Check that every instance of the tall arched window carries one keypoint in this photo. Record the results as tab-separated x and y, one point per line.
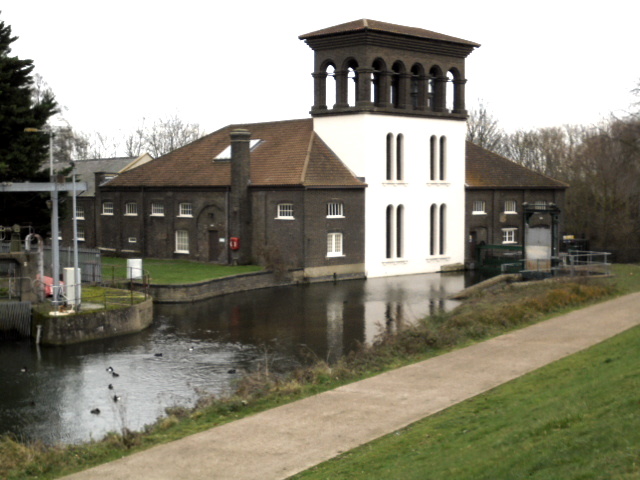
330	86
352	84
390	151
433	222
449	92
437	83
389	236
443	228
417	87
433	152
400	231
399	157
397	85
443	158
379	84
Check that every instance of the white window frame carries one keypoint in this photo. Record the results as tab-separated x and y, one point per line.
157	209
185	209
335	242
79	212
479	207
509	236
80	233
107	208
540	204
285	211
512	204
335	210
130	209
182	241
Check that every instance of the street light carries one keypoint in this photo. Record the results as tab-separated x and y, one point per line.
55	246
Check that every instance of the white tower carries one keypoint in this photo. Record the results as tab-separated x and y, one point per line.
398	120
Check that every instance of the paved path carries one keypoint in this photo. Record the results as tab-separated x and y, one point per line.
286	440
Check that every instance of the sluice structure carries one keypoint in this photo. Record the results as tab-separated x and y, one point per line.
15	319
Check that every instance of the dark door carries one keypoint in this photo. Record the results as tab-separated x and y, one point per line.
214	246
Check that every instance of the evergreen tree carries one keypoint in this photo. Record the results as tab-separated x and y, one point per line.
22	154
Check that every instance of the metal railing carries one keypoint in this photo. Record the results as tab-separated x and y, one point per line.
577	262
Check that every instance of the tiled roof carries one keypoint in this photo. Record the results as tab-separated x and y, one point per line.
373	25
289	154
485	169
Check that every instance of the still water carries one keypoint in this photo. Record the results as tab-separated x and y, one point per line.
48	393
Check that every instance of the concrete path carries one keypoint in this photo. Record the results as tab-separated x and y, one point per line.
286	440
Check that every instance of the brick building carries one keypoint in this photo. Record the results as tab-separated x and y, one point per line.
372	184
275	186
498	190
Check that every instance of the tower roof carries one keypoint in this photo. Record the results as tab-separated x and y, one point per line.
373	31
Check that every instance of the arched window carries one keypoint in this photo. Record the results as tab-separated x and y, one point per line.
443	228
351	82
399	157
397	87
433	222
417	88
443	158
379	84
449	92
458	103
389	225
330	86
390	152
400	231
437	89
433	152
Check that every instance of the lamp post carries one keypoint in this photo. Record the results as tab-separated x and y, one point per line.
76	271
55	246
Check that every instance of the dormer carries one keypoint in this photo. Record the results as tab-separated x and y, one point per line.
378	67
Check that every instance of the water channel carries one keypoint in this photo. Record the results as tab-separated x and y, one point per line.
48	393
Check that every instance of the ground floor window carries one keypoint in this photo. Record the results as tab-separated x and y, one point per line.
509	235
182	241
334	245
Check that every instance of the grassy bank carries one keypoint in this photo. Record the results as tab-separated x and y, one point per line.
173	272
574	419
495	311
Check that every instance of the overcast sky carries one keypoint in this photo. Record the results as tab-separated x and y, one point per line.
111	64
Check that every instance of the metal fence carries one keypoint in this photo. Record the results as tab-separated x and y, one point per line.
572	263
577	262
89	261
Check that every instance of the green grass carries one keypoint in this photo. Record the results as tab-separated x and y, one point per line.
174	272
575	419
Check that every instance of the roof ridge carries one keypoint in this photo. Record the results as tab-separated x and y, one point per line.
307	158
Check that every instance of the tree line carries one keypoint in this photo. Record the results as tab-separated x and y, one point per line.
601	164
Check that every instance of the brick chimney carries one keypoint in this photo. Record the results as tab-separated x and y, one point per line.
239	199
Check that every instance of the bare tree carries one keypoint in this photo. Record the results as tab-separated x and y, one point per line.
170	133
483	130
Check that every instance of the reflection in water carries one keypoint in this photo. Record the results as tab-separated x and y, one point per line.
190	350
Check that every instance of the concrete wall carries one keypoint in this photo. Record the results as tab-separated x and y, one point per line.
251	281
86	326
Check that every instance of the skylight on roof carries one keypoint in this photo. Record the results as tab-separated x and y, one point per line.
226	153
